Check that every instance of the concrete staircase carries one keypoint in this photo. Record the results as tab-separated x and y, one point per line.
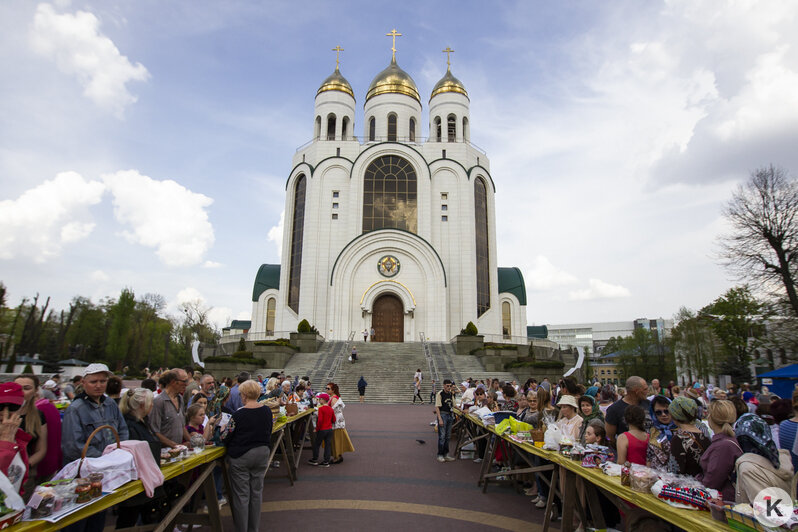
387	367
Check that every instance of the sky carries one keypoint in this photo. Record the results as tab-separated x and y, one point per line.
147	144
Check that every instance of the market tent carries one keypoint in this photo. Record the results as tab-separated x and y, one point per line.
784	380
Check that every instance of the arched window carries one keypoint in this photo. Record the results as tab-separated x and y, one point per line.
372	128
271	306
345	128
437	128
466	133
389	195
507	327
392	128
451	128
483	250
412	130
297	228
317	129
331	127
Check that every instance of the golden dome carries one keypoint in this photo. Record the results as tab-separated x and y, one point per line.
393	80
448	83
336	82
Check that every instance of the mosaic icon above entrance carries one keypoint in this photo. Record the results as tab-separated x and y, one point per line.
388	266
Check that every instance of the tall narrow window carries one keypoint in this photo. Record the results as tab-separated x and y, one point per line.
412	132
466	135
391	128
317	129
507	328
331	127
372	128
437	128
483	250
297	228
451	128
270	312
389	195
345	128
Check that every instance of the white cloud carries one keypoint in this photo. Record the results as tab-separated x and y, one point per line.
163	215
42	219
599	289
543	275
211	264
79	49
99	276
244	315
275	234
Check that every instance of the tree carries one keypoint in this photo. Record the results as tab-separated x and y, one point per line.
121	314
696	347
737	320
762	247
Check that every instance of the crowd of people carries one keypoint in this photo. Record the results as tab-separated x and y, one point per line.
166	410
734	440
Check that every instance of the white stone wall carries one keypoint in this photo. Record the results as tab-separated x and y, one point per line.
437	280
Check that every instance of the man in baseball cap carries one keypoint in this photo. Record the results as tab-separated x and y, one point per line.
89	410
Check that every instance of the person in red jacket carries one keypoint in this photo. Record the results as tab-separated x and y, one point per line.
324	430
13	440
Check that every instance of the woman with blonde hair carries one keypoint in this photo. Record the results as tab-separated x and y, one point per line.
247	437
717	462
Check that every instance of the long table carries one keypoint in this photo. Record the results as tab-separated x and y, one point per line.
591	478
203	464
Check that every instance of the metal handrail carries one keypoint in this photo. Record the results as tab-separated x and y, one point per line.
431	364
406	140
336	365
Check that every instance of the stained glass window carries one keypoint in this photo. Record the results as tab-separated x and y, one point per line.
389	195
483	250
297	227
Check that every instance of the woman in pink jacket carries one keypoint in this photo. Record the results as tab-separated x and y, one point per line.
13	440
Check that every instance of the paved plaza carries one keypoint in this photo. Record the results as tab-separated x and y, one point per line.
392	482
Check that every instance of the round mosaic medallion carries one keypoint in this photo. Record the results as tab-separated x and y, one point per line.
388	266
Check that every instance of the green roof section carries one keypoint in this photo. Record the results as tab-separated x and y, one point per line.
241	324
511	280
268	277
537	331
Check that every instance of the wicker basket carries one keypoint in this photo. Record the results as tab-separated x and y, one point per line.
88	442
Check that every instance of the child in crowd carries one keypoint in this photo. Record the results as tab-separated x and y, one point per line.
595	432
633	443
196	417
324	430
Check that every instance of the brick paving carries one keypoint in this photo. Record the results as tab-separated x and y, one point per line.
392	482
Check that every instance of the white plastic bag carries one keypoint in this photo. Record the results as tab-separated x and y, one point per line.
552	438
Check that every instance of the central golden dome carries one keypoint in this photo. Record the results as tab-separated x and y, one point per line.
336	82
393	80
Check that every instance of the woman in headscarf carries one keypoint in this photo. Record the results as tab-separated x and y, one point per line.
659	444
762	465
588	410
689	441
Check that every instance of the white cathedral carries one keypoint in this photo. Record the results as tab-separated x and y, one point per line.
390	230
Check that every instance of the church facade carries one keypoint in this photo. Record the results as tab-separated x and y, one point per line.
386	229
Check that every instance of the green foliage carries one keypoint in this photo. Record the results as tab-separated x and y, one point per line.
283	342
11	363
28	369
470	329
304	327
121	328
243	354
242	344
644	354
556	364
500	347
232	359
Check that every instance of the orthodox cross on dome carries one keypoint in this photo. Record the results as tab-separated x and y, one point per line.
337	51
447	51
393	34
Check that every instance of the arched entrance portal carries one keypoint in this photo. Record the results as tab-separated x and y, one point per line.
388	319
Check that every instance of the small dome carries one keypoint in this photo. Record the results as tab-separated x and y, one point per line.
393	80
448	83
336	82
